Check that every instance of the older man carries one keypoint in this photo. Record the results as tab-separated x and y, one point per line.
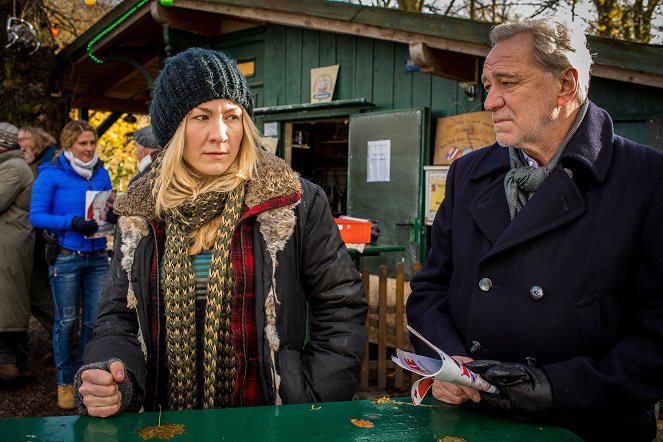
546	263
16	244
147	149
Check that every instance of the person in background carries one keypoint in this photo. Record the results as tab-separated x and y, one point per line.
16	245
230	285
546	261
58	205
147	149
38	148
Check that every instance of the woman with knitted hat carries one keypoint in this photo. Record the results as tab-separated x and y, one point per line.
230	285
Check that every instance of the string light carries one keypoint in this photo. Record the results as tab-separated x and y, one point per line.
55	30
110	28
90	2
166	3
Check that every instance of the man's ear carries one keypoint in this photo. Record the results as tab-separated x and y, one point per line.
568	86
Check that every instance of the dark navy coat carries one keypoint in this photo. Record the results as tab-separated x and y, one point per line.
574	284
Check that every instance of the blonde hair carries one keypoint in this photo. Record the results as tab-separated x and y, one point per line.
40	139
73	130
177	182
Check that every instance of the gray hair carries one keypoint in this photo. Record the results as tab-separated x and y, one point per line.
557	46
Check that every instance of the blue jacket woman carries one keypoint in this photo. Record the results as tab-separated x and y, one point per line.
58	205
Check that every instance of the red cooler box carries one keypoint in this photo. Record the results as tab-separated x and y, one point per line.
354	231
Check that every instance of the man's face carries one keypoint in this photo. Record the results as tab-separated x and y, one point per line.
522	97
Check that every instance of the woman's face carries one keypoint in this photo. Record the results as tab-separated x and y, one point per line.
84	146
213	136
27	145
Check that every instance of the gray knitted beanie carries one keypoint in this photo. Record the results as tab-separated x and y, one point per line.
8	136
190	78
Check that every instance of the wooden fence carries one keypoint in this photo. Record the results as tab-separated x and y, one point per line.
386	325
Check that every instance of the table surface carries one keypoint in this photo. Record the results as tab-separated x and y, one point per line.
329	421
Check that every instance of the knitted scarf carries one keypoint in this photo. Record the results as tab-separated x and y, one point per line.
82	168
179	286
522	181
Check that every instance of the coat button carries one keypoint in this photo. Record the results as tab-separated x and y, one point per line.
475	347
485	284
536	292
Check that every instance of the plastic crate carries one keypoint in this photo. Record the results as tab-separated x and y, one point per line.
354	232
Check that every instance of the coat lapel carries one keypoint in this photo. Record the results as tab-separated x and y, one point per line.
556	203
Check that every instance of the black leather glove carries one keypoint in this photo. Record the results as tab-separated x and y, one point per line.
83	226
524	391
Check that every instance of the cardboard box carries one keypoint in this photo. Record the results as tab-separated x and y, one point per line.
354	232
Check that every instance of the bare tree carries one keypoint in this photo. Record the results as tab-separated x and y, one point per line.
630	20
29	83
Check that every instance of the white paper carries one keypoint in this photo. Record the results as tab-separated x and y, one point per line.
97	206
443	369
270	129
378	161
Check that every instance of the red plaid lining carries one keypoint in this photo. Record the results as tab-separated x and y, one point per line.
247	388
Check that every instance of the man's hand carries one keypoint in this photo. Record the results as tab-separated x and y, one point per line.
100	392
524	391
454	394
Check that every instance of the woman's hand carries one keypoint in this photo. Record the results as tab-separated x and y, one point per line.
100	391
454	394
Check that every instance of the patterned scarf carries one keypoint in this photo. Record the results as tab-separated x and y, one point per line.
522	181
179	294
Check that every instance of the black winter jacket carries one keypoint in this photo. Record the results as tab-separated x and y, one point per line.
297	239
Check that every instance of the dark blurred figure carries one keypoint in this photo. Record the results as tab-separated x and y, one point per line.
39	148
16	245
147	149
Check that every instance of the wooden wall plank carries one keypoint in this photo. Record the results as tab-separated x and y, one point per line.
383	75
310	59
402	79
345	56
293	67
274	89
364	68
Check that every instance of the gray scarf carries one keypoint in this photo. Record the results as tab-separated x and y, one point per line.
81	167
522	181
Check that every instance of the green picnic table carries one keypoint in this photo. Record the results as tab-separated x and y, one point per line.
395	420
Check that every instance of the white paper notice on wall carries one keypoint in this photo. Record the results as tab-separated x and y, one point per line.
378	161
270	129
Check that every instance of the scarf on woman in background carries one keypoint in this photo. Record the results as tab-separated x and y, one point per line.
82	168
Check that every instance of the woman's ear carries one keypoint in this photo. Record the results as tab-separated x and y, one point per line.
568	86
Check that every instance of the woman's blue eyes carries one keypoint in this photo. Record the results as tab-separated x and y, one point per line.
206	117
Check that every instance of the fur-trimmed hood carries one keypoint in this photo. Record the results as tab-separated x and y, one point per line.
274	179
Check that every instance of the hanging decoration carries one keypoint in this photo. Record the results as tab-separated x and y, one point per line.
55	30
110	28
22	34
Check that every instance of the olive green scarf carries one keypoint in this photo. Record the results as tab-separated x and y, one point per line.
219	362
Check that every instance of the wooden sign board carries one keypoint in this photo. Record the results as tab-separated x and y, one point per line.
461	134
